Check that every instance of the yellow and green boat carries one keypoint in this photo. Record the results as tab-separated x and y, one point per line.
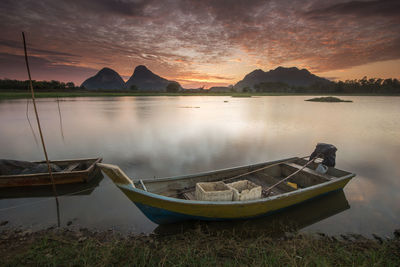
284	183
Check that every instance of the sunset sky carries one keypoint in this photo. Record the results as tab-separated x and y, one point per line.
200	42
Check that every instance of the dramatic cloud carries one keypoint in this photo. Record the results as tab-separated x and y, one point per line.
198	42
12	64
384	8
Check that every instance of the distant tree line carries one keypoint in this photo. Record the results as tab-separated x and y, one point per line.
362	86
6	84
173	87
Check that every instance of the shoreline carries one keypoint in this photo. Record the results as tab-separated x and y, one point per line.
8	95
194	247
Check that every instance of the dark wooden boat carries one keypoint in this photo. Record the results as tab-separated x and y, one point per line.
71	171
41	191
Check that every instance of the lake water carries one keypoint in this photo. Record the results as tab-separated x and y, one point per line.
150	137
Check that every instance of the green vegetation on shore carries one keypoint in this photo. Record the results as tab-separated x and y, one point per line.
241	95
21	95
192	248
14	89
327	99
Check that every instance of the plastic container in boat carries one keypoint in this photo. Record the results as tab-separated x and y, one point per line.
245	190
213	191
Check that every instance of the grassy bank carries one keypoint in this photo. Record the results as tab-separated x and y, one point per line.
21	95
192	248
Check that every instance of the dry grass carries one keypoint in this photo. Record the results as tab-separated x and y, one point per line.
195	247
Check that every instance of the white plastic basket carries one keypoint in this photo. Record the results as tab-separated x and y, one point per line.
213	191
245	190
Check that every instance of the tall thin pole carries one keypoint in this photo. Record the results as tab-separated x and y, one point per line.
29	121
59	116
40	131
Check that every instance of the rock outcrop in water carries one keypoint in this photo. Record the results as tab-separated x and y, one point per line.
290	76
106	78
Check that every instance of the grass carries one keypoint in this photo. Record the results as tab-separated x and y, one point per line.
327	99
195	248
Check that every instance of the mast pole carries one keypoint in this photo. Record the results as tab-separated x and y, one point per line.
40	131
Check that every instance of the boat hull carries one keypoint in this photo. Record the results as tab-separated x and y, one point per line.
163	210
43	179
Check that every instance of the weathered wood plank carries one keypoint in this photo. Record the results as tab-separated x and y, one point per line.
266	181
71	167
310	171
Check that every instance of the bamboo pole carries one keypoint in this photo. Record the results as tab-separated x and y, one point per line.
61	123
40	131
268	190
244	174
29	121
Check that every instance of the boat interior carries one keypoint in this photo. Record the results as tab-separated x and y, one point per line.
14	167
263	174
73	165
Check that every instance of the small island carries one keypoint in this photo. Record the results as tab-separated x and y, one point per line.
241	95
327	99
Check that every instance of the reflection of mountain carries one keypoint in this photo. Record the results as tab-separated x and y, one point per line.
47	191
291	219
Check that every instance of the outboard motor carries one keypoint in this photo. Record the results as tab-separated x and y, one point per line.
328	153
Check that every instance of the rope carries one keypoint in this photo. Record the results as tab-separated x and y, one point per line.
61	124
30	125
268	190
244	174
260	169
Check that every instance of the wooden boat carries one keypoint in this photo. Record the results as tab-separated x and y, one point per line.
172	199
72	171
293	218
74	189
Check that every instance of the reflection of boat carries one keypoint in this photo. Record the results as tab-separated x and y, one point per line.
47	190
69	171
291	219
169	200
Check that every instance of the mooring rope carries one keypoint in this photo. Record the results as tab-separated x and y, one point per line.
29	121
61	124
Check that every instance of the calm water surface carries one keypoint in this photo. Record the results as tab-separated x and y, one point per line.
150	137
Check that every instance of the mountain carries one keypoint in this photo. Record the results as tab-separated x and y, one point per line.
291	76
106	78
145	80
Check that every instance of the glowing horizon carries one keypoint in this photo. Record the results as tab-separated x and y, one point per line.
206	43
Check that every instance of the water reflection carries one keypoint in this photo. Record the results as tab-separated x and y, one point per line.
291	219
154	137
77	189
